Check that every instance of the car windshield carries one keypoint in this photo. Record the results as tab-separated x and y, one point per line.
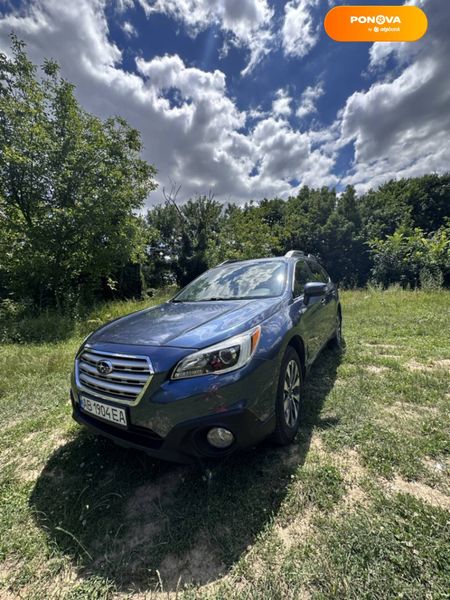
236	281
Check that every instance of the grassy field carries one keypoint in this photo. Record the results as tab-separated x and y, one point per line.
357	508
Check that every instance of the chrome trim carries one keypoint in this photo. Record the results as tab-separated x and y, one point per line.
118	364
103	352
131	390
119	375
116	382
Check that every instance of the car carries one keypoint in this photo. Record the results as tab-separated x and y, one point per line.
218	367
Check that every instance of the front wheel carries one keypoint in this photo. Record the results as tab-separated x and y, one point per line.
289	397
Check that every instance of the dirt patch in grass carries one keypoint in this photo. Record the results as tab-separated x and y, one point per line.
412	410
27	475
160	491
413	365
11	424
7	568
442	364
381	347
145	514
410	416
28	439
435	365
62	583
374	370
297	530
28	464
6	594
350	465
26	467
353	474
199	565
378	345
318	446
420	491
437	466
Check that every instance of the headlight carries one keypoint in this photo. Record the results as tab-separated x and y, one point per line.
227	356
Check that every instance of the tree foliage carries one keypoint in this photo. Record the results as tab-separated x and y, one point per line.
396	234
179	238
244	233
412	257
69	187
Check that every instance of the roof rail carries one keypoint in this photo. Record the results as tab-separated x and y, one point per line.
298	253
230	260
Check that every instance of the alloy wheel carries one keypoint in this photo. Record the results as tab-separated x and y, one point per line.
291	393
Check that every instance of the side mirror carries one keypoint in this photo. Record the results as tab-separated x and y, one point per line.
315	288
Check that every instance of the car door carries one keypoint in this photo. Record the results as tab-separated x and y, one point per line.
328	301
306	317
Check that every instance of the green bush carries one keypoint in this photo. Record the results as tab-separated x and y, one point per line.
411	258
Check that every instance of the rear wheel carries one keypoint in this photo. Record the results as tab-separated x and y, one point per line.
289	398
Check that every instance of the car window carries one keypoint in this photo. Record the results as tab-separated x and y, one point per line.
237	280
301	277
318	273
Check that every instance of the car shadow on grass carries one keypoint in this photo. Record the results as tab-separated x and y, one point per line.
135	521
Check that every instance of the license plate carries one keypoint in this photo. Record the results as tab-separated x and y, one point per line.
113	414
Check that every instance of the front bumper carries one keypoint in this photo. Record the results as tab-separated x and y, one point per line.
186	442
172	417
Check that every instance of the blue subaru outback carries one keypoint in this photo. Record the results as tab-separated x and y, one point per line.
218	367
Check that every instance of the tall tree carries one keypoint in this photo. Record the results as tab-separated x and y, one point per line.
70	185
244	234
180	236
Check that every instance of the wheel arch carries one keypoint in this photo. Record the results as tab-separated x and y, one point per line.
298	344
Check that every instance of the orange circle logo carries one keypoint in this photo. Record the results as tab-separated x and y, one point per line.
376	23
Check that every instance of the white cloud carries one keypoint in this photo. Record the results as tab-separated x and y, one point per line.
300	32
123	5
401	127
246	23
308	100
128	29
282	105
191	128
285	154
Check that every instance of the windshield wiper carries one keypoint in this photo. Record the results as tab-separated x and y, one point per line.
214	298
229	298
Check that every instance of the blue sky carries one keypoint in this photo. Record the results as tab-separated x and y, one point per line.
250	98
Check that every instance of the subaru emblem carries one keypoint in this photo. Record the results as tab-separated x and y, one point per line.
104	367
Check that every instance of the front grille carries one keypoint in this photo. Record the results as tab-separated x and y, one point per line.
125	382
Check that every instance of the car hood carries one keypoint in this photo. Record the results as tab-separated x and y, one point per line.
186	324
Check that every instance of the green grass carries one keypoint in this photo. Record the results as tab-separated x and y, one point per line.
357	508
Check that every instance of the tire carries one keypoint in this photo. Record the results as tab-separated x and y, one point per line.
337	341
289	398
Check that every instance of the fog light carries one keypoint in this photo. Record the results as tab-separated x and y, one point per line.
220	437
